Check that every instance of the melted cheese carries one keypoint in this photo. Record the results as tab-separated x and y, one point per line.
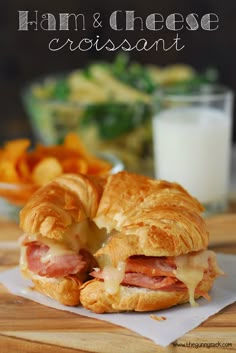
55	249
113	277
76	236
23	258
84	235
190	270
79	235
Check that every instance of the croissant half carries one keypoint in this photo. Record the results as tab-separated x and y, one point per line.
143	242
60	237
157	254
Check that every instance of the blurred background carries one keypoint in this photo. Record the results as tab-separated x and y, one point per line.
24	56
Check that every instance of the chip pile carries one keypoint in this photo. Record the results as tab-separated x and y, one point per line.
22	171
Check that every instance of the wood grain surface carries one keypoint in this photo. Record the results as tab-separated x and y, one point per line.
28	327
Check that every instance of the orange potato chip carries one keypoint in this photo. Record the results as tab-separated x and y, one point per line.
23	169
46	170
15	148
8	172
98	166
73	142
74	165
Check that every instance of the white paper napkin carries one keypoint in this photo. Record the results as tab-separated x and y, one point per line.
179	319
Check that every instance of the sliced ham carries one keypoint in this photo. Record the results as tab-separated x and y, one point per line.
155	273
58	266
151	266
144	281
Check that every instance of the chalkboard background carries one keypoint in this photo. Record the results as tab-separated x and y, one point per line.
25	55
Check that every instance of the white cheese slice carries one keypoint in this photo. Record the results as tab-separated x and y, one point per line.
113	277
190	270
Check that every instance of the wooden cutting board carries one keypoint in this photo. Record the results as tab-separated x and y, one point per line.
28	327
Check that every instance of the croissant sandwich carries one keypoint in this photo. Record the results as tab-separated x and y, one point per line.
156	255
125	243
60	237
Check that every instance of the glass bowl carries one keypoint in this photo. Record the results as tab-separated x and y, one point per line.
122	128
8	211
13	197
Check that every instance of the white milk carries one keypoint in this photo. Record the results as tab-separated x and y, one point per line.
192	147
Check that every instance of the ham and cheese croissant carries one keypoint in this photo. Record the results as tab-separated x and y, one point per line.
143	242
156	255
60	237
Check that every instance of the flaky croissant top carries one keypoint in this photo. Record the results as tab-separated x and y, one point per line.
66	200
144	216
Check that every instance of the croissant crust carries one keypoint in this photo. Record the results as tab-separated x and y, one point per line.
143	216
65	290
151	217
93	296
54	207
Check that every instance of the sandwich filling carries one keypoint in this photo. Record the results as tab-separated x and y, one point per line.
47	263
180	273
70	256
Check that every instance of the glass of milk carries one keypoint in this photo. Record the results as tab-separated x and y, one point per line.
192	142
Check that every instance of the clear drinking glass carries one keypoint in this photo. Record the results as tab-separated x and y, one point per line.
192	141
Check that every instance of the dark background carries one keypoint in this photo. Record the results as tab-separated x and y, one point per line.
25	55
